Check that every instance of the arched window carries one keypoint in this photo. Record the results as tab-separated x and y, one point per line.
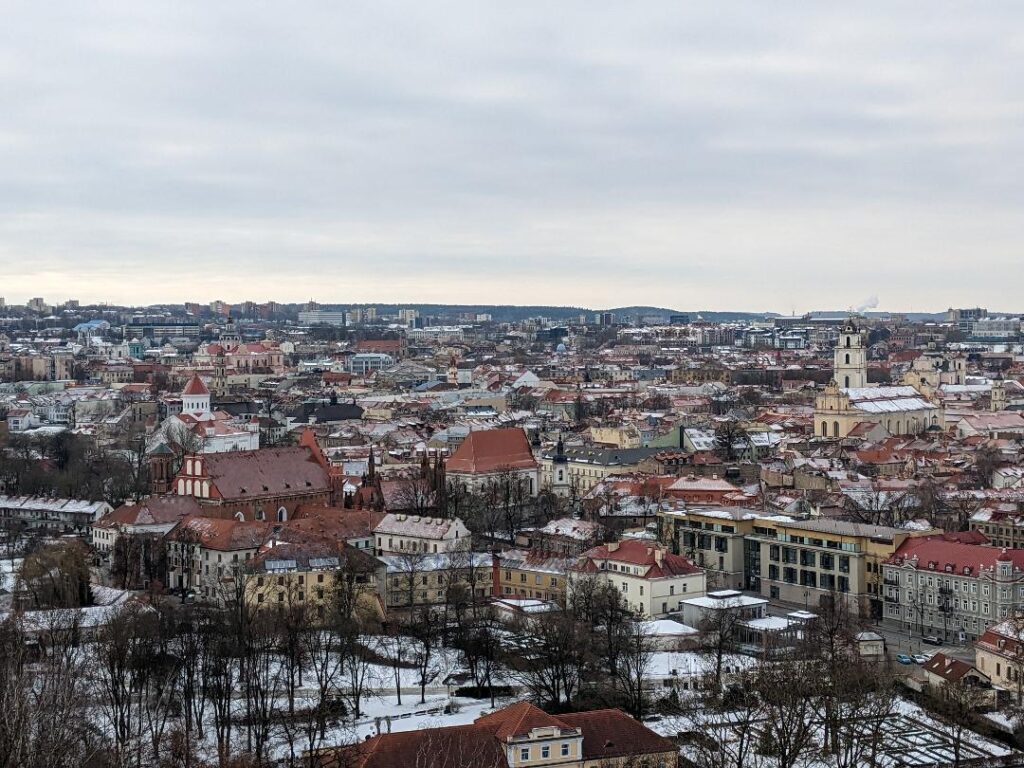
847	341
282	515
847	358
240	517
898	430
824	429
835	429
846	381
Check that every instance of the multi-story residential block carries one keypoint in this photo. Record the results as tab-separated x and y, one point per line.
415	579
316	576
803	561
399	534
207	555
587	467
939	585
531	574
713	538
651	579
49	516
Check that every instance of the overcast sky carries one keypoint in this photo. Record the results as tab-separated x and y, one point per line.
763	156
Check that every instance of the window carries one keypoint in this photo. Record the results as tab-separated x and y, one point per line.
524	753
565	750
545	752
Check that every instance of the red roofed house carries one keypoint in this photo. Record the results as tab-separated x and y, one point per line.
939	585
208	554
519	736
942	670
651	579
142	526
999	653
701	490
486	456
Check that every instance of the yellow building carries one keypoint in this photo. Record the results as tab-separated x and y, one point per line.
316	580
538	575
901	410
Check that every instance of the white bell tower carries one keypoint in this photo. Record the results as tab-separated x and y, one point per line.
850	366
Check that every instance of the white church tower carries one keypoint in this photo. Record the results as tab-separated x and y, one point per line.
850	366
195	398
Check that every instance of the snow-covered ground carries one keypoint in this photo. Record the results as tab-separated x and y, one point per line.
911	738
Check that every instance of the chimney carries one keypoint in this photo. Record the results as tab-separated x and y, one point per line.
659	555
613	546
495	575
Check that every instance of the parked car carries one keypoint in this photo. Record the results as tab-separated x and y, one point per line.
932	640
904	659
919	658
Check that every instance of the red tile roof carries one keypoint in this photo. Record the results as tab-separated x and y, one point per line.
948	668
609	733
281	472
518	720
491	450
222	535
946	550
152	511
638	552
195	386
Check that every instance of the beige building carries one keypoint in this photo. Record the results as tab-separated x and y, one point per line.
652	580
802	561
519	736
901	410
316	577
713	538
586	467
400	533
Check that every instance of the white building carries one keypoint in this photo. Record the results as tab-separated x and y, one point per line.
398	534
215	431
653	582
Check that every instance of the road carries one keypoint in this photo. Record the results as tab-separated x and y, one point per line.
897	641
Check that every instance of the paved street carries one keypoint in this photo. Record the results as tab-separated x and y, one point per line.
897	641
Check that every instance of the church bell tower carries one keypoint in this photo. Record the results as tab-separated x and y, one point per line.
850	367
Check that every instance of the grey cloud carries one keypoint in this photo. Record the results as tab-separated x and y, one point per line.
711	155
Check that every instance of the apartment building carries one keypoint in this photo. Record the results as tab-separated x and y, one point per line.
712	537
417	579
400	533
803	561
940	585
651	579
531	574
315	576
207	555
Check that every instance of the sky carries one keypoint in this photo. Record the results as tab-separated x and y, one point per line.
694	155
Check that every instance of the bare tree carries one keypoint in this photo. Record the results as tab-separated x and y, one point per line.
787	725
719	633
634	664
